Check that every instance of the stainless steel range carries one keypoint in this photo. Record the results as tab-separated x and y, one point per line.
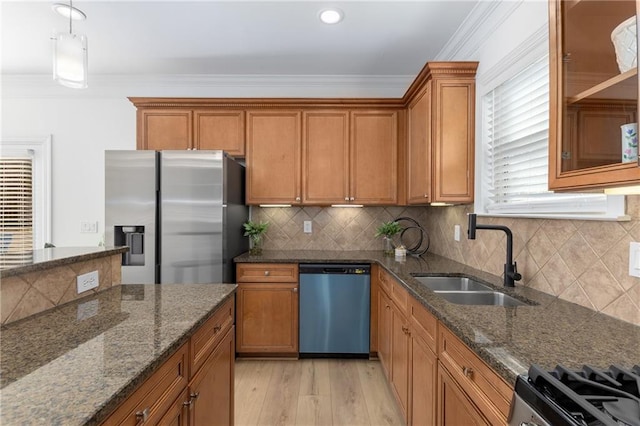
586	397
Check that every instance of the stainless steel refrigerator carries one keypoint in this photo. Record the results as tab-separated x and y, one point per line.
180	213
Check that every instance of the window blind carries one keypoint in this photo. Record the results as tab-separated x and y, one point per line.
516	126
16	210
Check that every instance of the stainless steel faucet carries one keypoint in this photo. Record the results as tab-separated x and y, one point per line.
511	274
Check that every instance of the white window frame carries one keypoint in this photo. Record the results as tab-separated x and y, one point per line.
567	206
41	148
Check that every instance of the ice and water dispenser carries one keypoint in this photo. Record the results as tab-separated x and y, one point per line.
132	236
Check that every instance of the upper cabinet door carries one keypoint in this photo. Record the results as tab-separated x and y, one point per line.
219	129
165	129
453	140
374	157
273	157
419	148
593	92
325	157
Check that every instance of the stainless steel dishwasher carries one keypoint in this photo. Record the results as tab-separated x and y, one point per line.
334	310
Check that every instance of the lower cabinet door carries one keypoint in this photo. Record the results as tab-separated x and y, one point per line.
424	367
455	408
400	359
177	413
384	332
211	389
267	318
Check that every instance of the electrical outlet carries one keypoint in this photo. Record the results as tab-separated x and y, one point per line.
456	232
87	281
307	226
634	259
88	227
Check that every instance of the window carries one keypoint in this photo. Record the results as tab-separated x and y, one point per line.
516	140
24	199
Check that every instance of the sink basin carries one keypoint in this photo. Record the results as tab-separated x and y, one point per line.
490	298
452	284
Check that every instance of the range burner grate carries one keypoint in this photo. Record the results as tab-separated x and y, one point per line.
590	396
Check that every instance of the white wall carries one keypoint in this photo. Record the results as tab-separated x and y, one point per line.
81	129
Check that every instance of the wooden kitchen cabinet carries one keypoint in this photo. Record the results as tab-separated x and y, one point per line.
178	129
273	157
590	97
211	389
160	129
267	309
393	339
325	157
440	134
455	408
384	332
487	391
424	365
220	129
373	175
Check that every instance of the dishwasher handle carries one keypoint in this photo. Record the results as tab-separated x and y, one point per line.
337	269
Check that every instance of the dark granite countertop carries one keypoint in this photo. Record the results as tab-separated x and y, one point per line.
74	364
57	256
509	339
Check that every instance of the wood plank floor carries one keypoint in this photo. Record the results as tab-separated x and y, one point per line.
311	392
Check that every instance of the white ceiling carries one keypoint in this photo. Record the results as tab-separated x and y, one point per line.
376	38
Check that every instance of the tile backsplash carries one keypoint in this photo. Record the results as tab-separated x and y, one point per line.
584	262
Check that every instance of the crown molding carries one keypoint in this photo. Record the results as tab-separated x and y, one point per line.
192	85
478	26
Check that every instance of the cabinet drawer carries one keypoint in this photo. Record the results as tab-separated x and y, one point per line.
490	393
157	394
394	290
384	281
206	338
423	324
267	273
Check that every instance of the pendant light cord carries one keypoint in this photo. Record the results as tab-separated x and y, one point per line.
70	14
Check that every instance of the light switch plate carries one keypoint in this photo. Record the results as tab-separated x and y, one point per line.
634	259
87	281
456	232
307	227
88	227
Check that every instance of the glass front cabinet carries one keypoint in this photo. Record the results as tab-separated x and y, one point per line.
593	130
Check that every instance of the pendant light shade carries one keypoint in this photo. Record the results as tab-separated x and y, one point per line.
70	60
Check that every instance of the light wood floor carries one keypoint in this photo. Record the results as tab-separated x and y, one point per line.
313	392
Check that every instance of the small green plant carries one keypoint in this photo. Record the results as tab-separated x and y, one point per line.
388	229
255	231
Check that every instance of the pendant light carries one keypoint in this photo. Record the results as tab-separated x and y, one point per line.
70	61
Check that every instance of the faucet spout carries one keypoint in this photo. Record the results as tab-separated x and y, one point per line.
511	274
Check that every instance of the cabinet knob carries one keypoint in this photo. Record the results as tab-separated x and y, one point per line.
295	289
297	198
266	273
217	328
352	199
468	372
142	416
346	198
426	196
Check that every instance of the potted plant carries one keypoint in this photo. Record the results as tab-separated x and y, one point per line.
255	231
387	230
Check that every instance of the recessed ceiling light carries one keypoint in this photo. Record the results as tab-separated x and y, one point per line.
69	11
331	16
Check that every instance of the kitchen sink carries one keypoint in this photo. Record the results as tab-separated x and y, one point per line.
452	284
490	298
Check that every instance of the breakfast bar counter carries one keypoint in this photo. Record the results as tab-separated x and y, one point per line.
74	364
